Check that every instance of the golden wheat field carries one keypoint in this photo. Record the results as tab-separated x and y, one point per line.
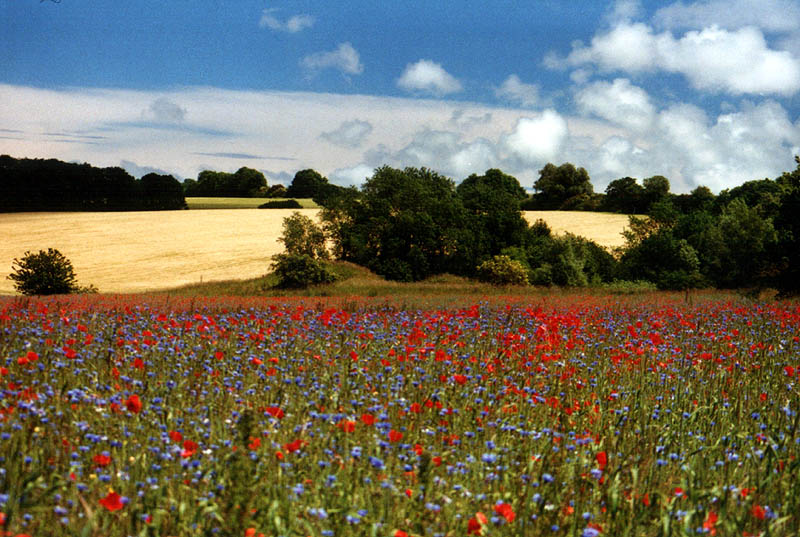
131	252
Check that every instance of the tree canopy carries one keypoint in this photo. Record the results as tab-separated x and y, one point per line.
561	186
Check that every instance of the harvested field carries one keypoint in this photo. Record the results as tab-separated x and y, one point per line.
129	252
603	228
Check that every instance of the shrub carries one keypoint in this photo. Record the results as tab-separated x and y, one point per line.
302	236
281	204
44	273
502	270
296	271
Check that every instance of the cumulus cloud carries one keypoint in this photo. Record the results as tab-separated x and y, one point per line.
619	102
348	134
768	15
345	58
429	77
163	109
292	25
715	59
624	11
749	140
515	90
536	140
354	175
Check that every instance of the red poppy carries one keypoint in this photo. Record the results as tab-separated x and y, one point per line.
347	426
759	512
112	501
506	511
400	533
255	443
602	459
175	436
395	436
291	447
367	419
710	522
475	524
133	404
275	411
460	379
189	449
101	459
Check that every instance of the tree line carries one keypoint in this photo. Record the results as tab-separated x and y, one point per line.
53	185
412	223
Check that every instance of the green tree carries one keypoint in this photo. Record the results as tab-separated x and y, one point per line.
43	273
662	258
302	236
403	224
625	196
161	192
654	190
493	203
749	239
249	183
306	184
558	184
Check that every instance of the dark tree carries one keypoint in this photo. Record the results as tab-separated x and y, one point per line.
405	225
655	189
306	184
161	192
52	185
787	223
493	203
557	185
625	196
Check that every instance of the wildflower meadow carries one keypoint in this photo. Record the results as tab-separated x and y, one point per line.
566	416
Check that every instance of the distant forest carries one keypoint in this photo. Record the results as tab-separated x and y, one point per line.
53	185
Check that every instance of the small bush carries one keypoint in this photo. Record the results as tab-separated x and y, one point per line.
296	271
502	270
45	273
281	204
627	287
302	236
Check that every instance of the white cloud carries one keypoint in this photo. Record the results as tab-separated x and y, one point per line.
624	11
738	61
281	132
348	134
515	90
354	175
292	25
627	47
345	58
429	77
538	139
619	102
768	15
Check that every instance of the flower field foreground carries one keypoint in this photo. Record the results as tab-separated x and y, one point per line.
581	417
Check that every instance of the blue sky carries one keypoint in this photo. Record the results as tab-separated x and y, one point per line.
702	92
